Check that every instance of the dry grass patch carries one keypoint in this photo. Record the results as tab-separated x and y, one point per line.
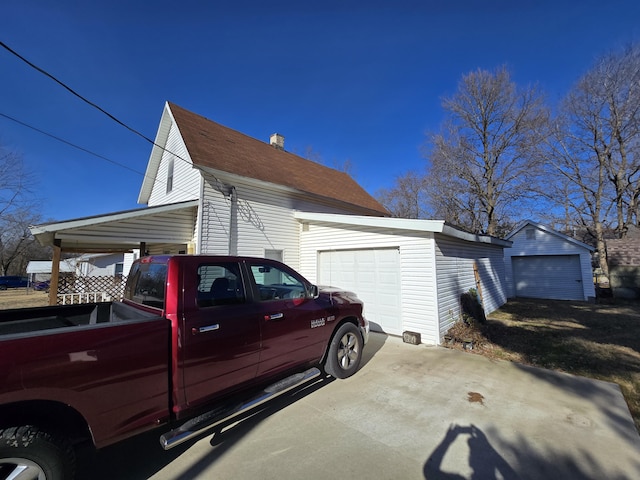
22	298
596	341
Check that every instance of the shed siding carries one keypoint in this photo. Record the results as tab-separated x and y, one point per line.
455	275
186	179
546	243
419	303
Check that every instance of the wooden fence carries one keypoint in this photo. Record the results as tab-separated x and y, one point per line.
73	289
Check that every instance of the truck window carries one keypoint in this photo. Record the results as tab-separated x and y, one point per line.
219	284
146	284
275	284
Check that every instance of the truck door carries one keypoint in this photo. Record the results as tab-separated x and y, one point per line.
221	338
294	326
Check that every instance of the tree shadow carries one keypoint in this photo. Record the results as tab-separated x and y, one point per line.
596	341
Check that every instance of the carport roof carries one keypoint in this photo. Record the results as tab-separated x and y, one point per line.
416	225
122	231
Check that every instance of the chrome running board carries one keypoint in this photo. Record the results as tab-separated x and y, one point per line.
208	420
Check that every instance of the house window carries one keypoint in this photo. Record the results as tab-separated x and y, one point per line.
531	233
170	176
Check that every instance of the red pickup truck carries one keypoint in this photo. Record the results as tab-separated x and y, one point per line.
192	344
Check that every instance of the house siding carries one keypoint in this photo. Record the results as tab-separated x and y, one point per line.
186	178
418	290
264	219
545	244
455	275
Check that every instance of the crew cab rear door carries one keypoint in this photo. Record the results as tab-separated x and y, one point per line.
295	326
221	334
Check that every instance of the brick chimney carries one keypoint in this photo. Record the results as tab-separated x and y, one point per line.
277	141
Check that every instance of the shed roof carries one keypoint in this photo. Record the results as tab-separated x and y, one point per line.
44	266
400	224
219	148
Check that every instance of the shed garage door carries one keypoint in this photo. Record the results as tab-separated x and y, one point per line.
556	277
374	275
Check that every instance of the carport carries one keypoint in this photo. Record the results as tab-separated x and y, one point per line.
154	230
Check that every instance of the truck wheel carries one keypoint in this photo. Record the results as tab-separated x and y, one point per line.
27	452
345	352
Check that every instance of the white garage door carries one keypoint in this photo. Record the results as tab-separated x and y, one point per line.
556	277
374	275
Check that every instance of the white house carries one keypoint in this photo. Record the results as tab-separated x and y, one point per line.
40	270
105	264
543	263
212	190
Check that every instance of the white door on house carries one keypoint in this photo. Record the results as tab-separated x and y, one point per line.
373	275
556	277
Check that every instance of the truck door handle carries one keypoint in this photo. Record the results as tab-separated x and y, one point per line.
205	329
274	316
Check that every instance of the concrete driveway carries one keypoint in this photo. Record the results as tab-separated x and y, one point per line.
411	412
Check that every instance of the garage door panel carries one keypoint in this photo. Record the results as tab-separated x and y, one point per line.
555	277
374	275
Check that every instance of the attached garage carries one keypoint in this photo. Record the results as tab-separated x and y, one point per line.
543	263
374	274
410	274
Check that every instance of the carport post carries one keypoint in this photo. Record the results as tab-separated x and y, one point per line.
55	272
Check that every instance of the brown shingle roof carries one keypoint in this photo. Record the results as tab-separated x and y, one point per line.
215	146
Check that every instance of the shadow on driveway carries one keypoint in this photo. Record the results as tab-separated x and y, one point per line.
142	456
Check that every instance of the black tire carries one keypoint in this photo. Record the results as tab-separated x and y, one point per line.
38	454
3	287
345	352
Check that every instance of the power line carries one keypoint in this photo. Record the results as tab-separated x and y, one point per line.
94	105
69	143
78	147
73	92
112	117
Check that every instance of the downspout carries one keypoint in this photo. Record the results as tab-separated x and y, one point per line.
200	217
233	222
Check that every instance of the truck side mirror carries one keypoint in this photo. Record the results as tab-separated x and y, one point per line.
313	291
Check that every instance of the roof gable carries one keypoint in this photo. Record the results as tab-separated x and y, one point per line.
548	230
214	146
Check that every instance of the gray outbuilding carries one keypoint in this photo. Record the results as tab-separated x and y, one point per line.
544	263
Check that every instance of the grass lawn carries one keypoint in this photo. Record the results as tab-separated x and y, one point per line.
600	341
22	298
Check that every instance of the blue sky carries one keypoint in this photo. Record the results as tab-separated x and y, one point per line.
353	80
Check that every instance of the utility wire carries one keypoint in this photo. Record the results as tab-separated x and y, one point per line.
69	143
73	92
102	157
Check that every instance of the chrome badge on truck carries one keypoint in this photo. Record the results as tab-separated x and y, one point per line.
320	322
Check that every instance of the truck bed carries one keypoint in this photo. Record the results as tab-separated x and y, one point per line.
44	319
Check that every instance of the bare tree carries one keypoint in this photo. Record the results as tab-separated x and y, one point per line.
407	198
484	162
596	147
17	211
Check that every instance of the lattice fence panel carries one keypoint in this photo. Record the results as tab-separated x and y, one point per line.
74	289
